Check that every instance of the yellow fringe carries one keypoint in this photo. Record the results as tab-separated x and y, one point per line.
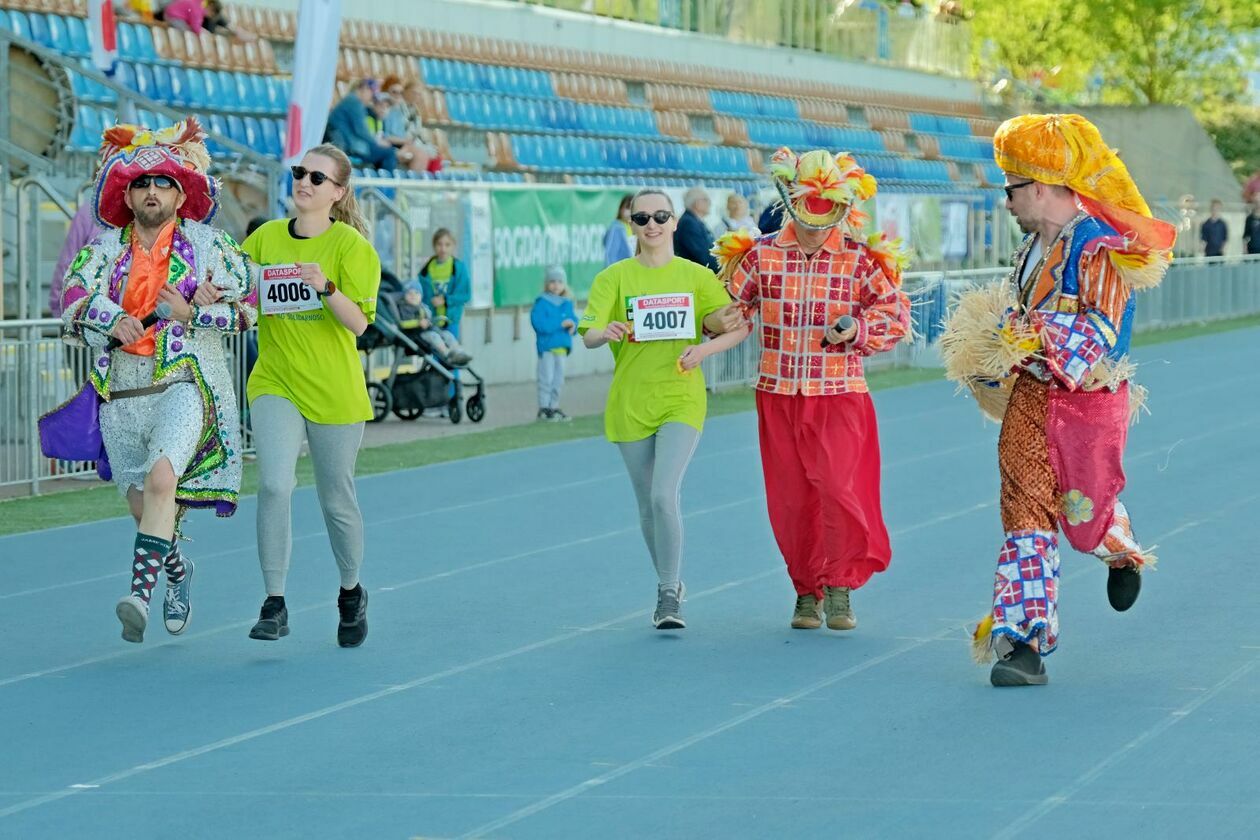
978	342
1141	271
982	641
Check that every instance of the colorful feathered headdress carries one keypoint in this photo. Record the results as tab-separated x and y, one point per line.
178	151
820	190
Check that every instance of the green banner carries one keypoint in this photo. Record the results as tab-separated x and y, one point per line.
537	228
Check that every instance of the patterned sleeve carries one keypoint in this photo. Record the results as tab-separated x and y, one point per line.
1074	342
744	283
236	276
883	317
88	315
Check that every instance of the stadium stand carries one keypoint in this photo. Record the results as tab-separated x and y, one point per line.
509	111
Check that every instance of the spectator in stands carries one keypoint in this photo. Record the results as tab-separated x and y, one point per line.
554	321
348	129
692	239
1251	228
737	217
196	15
1214	233
402	128
445	283
619	238
83	229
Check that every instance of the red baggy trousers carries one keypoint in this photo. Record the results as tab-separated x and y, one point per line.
820	459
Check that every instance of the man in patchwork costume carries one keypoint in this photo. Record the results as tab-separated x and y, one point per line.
1055	372
168	415
827	298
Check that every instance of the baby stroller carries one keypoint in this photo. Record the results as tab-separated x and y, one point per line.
434	385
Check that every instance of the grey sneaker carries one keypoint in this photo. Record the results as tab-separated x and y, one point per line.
133	612
807	616
559	416
177	608
668	615
836	605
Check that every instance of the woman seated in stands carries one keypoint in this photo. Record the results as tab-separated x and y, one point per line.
404	129
196	15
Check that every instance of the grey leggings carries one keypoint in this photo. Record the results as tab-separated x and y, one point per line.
278	431
656	466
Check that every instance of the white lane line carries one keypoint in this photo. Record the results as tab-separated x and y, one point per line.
320	713
678	746
288	723
1061	796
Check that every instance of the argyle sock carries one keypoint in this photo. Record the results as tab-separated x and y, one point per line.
149	553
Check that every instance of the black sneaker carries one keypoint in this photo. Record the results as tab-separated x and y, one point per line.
544	414
273	620
1021	666
558	416
353	608
1123	586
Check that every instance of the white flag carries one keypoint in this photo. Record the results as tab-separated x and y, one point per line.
314	73
103	35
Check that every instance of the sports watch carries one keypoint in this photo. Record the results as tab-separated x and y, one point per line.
329	288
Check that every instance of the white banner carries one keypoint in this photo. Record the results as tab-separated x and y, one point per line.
103	35
314	72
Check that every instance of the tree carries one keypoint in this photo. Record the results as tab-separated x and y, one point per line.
1179	52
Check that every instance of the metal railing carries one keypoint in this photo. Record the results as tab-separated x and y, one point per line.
938	43
1194	291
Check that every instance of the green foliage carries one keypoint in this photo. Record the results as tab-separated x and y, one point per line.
1236	130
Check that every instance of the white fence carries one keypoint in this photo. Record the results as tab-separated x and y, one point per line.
38	372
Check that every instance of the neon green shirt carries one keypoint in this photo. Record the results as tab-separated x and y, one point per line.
309	358
648	390
440	272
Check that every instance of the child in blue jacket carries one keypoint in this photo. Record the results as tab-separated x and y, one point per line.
554	323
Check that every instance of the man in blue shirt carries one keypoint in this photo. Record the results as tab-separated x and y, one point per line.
1214	233
348	130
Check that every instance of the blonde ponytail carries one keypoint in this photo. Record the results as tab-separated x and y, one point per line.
346	209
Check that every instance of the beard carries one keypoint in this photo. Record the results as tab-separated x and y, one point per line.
153	217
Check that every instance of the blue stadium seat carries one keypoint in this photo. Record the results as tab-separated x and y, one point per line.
216	124
19	24
86	134
230	90
163	88
540	84
77	36
145	85
236	130
259	97
956	126
254	134
194	87
272	144
144	44
39	29
126	33
210	84
277	101
925	123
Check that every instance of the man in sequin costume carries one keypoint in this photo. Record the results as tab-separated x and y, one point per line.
168	418
828	296
1091	242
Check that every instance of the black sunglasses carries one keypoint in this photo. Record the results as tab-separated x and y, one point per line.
1009	189
162	182
660	217
317	177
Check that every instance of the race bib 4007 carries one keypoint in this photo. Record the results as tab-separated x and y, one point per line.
281	290
662	317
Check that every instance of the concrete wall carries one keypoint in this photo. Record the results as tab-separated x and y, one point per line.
555	28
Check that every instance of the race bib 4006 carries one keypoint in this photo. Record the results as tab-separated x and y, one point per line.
662	317
281	290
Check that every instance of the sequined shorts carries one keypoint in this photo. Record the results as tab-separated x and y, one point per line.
140	431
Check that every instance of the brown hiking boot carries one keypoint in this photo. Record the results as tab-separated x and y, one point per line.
836	605
807	615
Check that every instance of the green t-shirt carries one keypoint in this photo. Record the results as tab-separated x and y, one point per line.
648	390
309	358
439	275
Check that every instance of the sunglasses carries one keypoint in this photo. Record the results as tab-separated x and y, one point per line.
317	177
1009	189
660	217
162	182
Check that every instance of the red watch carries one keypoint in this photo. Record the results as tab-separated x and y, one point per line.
329	288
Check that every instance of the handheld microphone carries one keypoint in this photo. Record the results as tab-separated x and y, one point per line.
161	312
842	324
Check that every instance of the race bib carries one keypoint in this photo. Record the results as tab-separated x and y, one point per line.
662	317
281	290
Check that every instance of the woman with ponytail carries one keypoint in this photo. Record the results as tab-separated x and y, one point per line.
308	380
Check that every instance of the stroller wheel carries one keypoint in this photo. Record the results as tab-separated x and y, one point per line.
476	408
453	410
408	413
382	401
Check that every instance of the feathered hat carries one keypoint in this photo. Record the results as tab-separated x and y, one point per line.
819	189
179	151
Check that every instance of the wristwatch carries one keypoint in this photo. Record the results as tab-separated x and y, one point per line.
329	288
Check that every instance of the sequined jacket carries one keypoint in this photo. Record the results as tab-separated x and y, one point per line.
91	302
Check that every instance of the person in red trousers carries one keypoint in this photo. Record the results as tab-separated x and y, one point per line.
828	296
